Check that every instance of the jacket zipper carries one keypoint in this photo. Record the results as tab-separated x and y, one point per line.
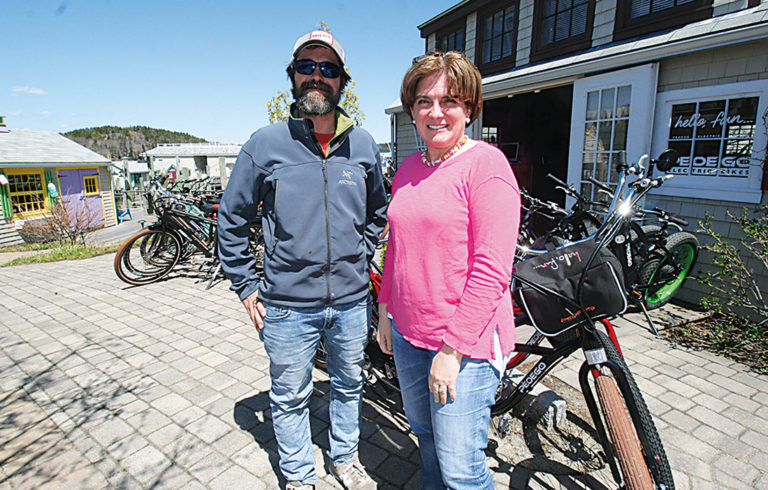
274	242
327	235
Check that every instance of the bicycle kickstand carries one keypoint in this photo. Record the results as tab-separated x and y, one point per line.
648	317
213	276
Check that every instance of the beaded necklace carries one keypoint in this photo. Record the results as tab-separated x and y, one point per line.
446	156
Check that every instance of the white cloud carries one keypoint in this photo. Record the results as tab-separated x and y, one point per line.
16	113
27	90
45	114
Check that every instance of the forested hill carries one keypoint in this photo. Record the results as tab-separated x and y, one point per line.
116	143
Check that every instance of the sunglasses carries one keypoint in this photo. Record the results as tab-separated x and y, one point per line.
327	69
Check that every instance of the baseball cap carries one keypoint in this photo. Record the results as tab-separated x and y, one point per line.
319	38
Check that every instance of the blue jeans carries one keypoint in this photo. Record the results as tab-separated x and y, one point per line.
452	437
291	336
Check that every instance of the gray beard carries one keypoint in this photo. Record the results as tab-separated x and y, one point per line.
316	104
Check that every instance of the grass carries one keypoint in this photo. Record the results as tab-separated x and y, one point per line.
29	247
58	253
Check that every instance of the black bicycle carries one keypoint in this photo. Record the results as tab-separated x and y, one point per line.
656	253
186	226
153	252
565	313
378	365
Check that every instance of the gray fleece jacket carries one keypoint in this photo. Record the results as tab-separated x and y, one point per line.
321	214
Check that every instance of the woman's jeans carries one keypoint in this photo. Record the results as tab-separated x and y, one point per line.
291	336
452	437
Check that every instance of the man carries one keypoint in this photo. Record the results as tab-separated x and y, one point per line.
318	179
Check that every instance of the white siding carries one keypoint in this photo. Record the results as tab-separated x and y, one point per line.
470	37
605	17
407	138
730	64
524	33
722	7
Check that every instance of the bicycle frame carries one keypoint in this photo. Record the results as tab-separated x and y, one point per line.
584	335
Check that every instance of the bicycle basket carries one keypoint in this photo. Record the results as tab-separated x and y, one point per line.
548	283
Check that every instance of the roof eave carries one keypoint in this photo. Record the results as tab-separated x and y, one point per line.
566	70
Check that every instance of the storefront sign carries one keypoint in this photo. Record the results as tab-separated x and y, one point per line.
714	137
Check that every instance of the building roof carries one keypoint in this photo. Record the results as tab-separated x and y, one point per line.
20	147
194	149
739	27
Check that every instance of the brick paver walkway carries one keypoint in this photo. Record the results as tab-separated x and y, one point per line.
109	386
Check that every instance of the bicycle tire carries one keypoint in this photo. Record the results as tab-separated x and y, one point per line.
147	256
664	274
621	432
652	448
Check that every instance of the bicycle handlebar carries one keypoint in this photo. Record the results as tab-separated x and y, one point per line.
620	206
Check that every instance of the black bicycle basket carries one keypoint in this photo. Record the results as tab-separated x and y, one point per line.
548	286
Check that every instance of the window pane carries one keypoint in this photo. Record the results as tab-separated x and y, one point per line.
496	48
601	167
622	100
639	8
592	104
486	51
683	148
736	153
487	28
550	7
509	20
548	30
509	41
620	134
705	157
590	136
710	112
588	166
563	5
659	5
563	25
616	161
742	115
606	103
498	19
579	20
460	41
605	129
682	121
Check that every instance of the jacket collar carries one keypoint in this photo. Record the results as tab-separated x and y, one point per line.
305	131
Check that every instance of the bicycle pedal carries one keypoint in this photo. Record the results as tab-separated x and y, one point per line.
502	425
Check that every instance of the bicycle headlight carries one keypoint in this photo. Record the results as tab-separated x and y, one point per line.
625	209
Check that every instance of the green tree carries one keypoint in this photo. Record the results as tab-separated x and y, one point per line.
278	107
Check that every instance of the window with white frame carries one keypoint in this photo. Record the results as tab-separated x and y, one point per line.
605	136
720	135
714	137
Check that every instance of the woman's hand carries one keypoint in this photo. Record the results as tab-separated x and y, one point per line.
384	331
444	373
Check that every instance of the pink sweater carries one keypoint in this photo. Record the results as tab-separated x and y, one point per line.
453	229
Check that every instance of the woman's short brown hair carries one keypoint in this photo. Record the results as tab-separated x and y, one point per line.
464	80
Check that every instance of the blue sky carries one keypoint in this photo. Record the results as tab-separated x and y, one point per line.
207	68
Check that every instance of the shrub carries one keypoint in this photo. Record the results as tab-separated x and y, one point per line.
734	283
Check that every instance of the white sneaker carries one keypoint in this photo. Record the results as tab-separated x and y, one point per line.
352	475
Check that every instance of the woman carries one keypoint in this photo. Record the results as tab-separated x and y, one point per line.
454	218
